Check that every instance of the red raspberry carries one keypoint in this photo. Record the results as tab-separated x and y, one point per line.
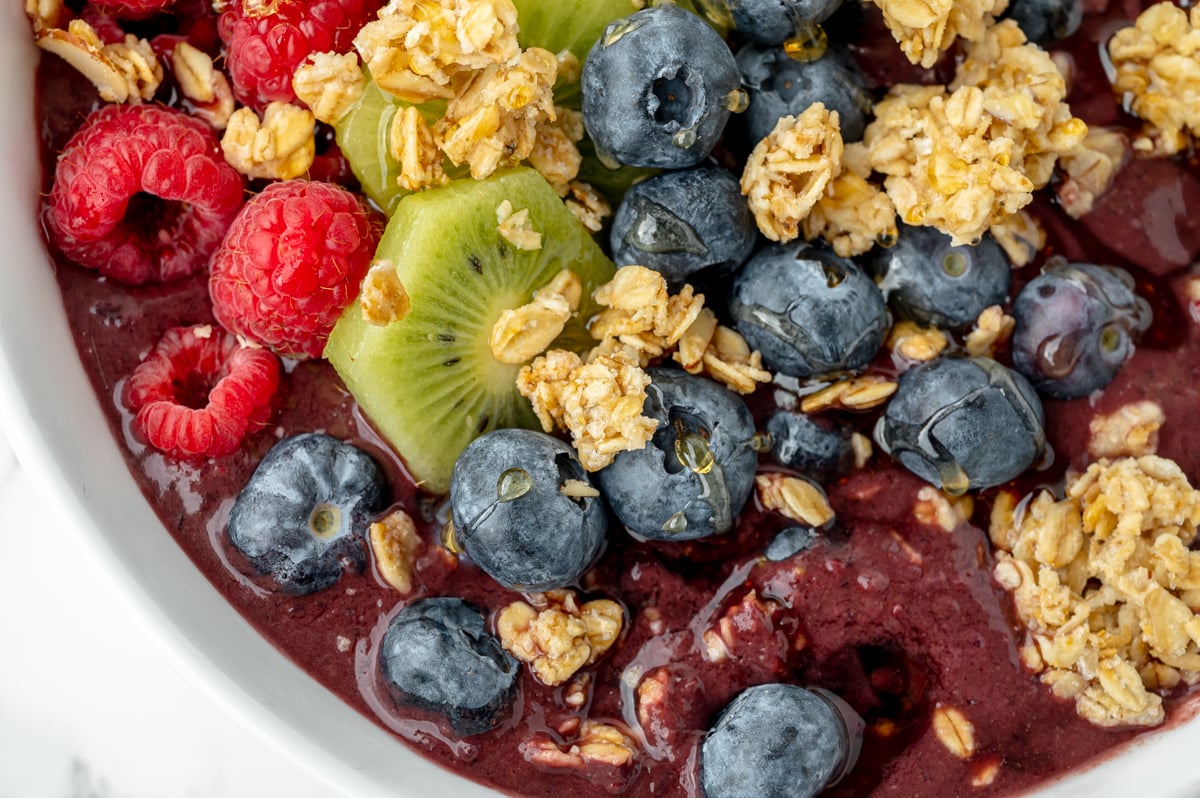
266	41
200	392
142	193
293	260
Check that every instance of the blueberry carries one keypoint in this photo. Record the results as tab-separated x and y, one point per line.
696	473
1076	326
963	423
437	656
818	448
657	89
678	223
790	542
1046	21
810	312
779	85
514	513
928	280
302	515
768	21
779	741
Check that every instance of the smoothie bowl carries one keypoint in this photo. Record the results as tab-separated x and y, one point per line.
907	512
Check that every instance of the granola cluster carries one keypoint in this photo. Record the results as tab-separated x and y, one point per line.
794	497
280	146
1157	63
329	84
965	157
926	28
556	636
787	172
1107	586
598	397
1090	168
124	72
395	544
524	332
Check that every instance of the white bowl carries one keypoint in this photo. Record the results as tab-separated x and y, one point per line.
51	417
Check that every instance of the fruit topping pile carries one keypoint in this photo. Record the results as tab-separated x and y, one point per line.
626	289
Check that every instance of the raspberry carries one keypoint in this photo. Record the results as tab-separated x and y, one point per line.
143	194
266	41
293	260
199	392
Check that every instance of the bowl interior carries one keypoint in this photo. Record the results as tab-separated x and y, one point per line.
57	429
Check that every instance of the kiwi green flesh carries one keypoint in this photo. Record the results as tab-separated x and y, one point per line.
429	383
363	135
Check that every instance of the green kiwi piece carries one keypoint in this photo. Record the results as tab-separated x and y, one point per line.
429	383
363	134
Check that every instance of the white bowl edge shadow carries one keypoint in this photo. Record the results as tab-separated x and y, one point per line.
59	433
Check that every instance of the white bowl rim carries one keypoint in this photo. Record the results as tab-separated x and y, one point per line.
186	618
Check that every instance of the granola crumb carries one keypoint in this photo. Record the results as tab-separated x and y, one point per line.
855	393
395	545
1021	236
954	731
604	744
416	49
794	498
329	84
280	146
522	333
556	636
44	14
1100	580
128	71
1157	63
383	298
863	449
935	508
1129	431
516	228
1090	168
991	330
589	205
554	153
916	344
411	143
788	171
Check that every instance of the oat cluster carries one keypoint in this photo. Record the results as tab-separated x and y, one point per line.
556	636
1107	586
524	332
125	72
1157	63
330	84
1089	169
793	497
992	329
1129	431
787	172
411	143
965	157
599	744
395	545
852	215
280	146
926	28
598	397
383	298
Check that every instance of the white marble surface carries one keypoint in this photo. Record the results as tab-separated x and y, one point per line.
88	707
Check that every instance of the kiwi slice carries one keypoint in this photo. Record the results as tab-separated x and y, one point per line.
429	382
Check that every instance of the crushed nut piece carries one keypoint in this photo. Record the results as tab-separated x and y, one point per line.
279	147
1157	63
554	153
1021	236
1130	431
417	47
992	328
962	158
44	14
926	28
1090	169
411	143
598	743
1099	580
794	498
495	119
329	84
788	171
954	731
555	636
395	545
856	393
516	228
934	507
851	216
128	71
915	343
383	297
589	205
